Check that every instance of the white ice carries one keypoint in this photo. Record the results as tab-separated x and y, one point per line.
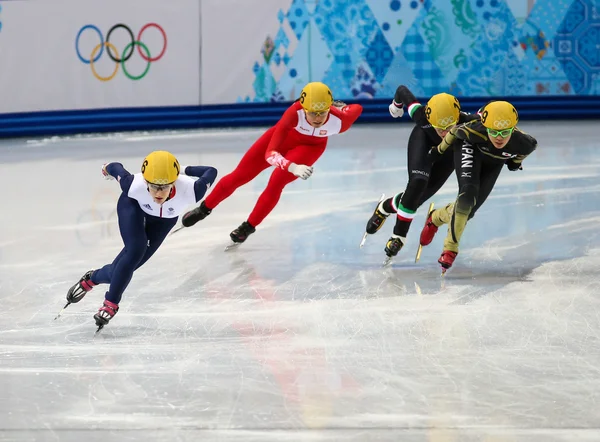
299	335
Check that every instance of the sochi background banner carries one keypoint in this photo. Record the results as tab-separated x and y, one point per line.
74	54
71	66
266	50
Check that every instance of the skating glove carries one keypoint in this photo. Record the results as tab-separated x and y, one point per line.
396	110
339	104
107	176
512	166
300	170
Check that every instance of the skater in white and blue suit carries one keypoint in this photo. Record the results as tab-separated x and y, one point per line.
148	208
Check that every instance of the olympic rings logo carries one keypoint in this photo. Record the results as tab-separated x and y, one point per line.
319	106
161	182
502	124
445	122
120	57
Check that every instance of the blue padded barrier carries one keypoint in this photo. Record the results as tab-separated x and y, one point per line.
53	123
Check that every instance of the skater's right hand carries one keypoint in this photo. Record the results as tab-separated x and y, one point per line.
396	110
300	170
512	166
106	175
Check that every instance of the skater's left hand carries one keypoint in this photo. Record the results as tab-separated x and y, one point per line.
339	104
106	175
300	170
396	110
512	166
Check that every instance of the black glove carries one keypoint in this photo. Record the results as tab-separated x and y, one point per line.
338	103
512	166
434	154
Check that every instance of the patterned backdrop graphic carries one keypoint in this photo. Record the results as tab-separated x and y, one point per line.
366	48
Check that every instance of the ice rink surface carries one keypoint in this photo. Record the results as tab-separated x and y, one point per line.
299	335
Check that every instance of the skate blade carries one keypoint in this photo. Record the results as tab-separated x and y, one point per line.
418	255
418	289
387	261
63	309
176	230
420	249
232	246
100	327
364	240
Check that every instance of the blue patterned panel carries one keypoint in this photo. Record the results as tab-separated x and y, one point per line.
588	45
298	16
576	45
366	48
364	84
348	27
281	38
379	56
264	84
448	29
547	15
394	18
399	73
312	58
424	68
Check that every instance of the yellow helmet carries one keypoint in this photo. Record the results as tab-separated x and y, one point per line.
160	167
499	115
316	97
442	110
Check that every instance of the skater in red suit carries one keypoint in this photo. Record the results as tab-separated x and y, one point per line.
292	146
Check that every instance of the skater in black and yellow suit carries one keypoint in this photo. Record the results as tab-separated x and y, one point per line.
481	149
432	122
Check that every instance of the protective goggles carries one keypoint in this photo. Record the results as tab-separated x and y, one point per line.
159	187
500	133
445	127
317	114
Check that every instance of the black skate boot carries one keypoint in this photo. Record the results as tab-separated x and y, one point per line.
392	248
105	314
197	214
79	290
377	219
242	233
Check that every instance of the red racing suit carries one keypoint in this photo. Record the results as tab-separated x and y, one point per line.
291	140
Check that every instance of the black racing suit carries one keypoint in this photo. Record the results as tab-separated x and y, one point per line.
478	164
424	178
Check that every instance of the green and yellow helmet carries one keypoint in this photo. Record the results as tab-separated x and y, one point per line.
499	115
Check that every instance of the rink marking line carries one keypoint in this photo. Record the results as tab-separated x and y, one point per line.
15	241
71	370
552	191
194	135
277	218
277	431
128	137
594	220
